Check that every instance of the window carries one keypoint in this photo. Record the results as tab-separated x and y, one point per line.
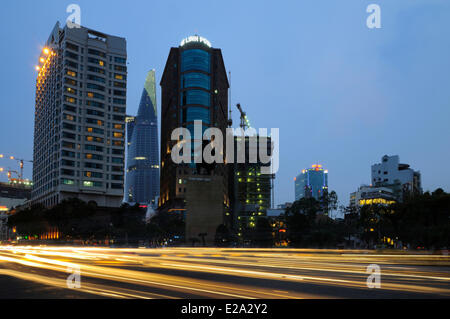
96	95
93	148
95	87
119	109
93	174
118	143
96	52
195	59
70	108
119	85
119	101
95	130
71	46
68	135
94	121
120	93
70	81
71	73
69	126
94	157
120	68
70	90
95	104
68	172
68	145
93	165
71	64
69	117
95	78
118	135
68	154
71	55
117	177
196	97
96	61
67	163
66	181
94	112
94	139
190	80
198	113
120	76
95	69
120	60
92	184
117	152
117	160
70	99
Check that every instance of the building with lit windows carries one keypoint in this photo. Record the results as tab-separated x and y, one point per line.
251	191
194	86
311	182
80	112
371	195
142	176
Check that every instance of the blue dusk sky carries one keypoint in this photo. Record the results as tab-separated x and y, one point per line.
342	95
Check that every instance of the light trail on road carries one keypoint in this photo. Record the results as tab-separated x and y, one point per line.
228	273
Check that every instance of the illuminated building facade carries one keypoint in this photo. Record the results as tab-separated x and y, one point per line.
250	189
371	195
80	112
311	182
194	86
142	177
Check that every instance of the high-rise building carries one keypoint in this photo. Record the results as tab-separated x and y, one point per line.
142	177
311	182
400	177
194	86
250	189
80	118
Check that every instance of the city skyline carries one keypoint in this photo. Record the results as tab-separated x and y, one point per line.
347	129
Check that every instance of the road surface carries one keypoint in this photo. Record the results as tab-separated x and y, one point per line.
165	273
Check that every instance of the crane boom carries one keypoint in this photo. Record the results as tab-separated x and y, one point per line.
245	123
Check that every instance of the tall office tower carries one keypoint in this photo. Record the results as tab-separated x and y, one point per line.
142	178
250	191
194	87
311	182
80	118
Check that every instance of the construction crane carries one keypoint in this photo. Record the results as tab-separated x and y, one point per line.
245	123
21	165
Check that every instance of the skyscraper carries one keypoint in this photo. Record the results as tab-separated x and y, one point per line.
194	86
80	118
142	178
311	182
250	191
